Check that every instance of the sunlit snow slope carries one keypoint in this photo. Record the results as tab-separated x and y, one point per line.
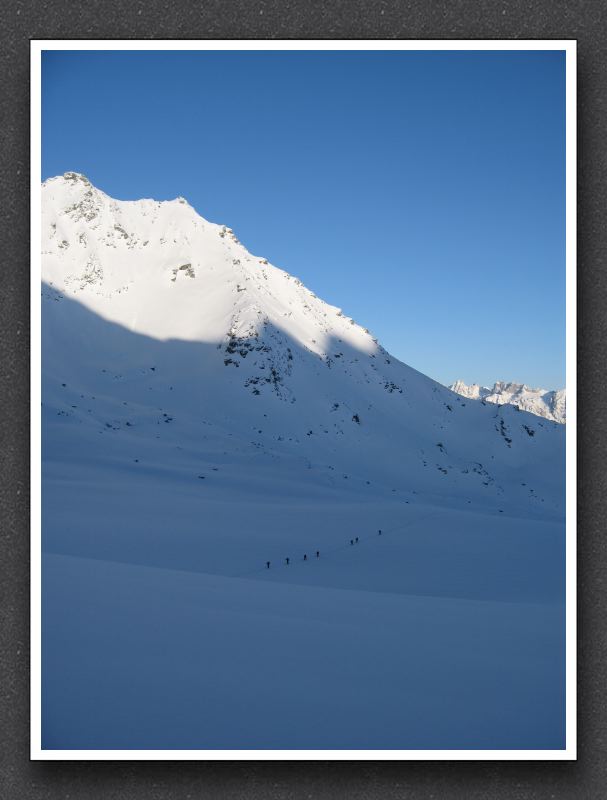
204	414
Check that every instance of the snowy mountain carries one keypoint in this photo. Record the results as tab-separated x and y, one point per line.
543	403
256	357
205	418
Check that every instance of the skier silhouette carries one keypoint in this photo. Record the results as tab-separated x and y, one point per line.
267	565
287	561
351	541
305	557
379	531
318	554
356	540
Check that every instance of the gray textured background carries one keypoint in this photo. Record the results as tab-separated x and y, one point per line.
20	21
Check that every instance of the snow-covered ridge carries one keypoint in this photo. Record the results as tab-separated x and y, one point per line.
550	404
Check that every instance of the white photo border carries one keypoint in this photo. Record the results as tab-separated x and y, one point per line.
569	753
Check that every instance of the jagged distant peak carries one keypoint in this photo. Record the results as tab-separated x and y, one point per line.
547	403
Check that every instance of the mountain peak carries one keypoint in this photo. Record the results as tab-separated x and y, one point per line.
76	177
132	261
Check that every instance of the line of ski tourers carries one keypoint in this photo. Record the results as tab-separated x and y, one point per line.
305	556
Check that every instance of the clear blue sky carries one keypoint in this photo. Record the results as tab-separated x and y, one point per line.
422	192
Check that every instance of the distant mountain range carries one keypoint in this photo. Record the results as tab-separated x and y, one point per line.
550	404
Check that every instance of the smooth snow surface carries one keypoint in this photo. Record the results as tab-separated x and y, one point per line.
204	413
